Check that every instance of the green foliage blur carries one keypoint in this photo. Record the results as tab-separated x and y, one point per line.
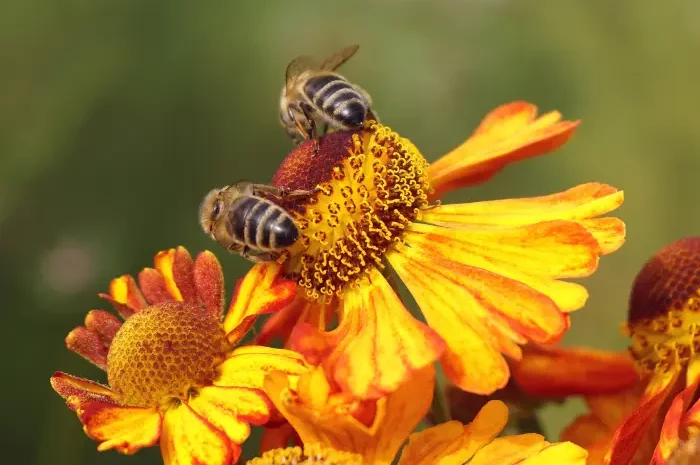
116	117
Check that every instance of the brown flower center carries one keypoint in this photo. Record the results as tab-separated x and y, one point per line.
163	352
664	314
366	200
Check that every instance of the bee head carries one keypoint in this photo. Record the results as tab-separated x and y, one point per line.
210	210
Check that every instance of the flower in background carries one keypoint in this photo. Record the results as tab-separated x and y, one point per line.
608	381
664	322
342	430
486	275
174	374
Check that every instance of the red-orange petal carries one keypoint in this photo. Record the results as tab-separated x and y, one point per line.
551	371
389	344
126	429
88	345
209	283
125	296
153	286
278	437
479	314
630	434
510	133
262	290
77	391
670	431
189	439
104	324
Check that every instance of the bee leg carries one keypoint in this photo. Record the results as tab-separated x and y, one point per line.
312	125
255	258
281	193
325	128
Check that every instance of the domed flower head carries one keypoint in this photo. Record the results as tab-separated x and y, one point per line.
174	374
486	275
664	322
337	429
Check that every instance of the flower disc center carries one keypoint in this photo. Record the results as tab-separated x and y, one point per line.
361	210
163	352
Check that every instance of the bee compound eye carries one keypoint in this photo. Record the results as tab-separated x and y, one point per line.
216	211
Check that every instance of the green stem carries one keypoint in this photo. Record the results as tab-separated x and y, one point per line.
440	408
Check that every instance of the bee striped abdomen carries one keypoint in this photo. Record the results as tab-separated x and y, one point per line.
260	224
337	98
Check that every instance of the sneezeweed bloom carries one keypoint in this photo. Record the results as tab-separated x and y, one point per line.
337	429
608	382
663	320
486	275
174	374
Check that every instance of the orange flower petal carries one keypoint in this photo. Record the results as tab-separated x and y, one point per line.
230	409
209	283
586	431
153	286
125	296
550	371
389	344
126	429
564	453
669	438
78	391
581	204
262	290
535	255
629	435
104	324
300	311
511	450
183	274
396	416
189	439
453	443
477	313
278	437
509	133
247	366
88	345
164	264
612	409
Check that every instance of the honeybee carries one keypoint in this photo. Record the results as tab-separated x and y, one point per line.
317	93
242	219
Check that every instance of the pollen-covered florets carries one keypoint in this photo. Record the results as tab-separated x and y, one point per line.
370	185
312	454
664	312
164	351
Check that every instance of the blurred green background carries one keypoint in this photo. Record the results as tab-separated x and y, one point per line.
117	117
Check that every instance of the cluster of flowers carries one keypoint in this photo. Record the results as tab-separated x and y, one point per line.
357	375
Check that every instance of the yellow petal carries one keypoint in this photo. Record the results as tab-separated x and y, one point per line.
535	255
582	204
508	450
509	133
564	453
389	345
189	439
164	261
478	314
396	416
230	409
126	429
262	290
247	366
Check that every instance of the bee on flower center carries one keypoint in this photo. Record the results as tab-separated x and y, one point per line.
317	93
243	219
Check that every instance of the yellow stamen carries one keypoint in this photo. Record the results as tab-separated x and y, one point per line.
313	454
359	213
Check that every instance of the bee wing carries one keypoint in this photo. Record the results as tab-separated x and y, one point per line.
295	68
338	58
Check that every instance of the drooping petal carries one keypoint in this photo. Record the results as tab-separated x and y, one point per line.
189	439
509	133
247	366
551	371
582	204
454	443
230	409
262	290
126	429
125	296
479	314
670	431
630	434
88	345
77	391
388	346
396	416
209	282
536	255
